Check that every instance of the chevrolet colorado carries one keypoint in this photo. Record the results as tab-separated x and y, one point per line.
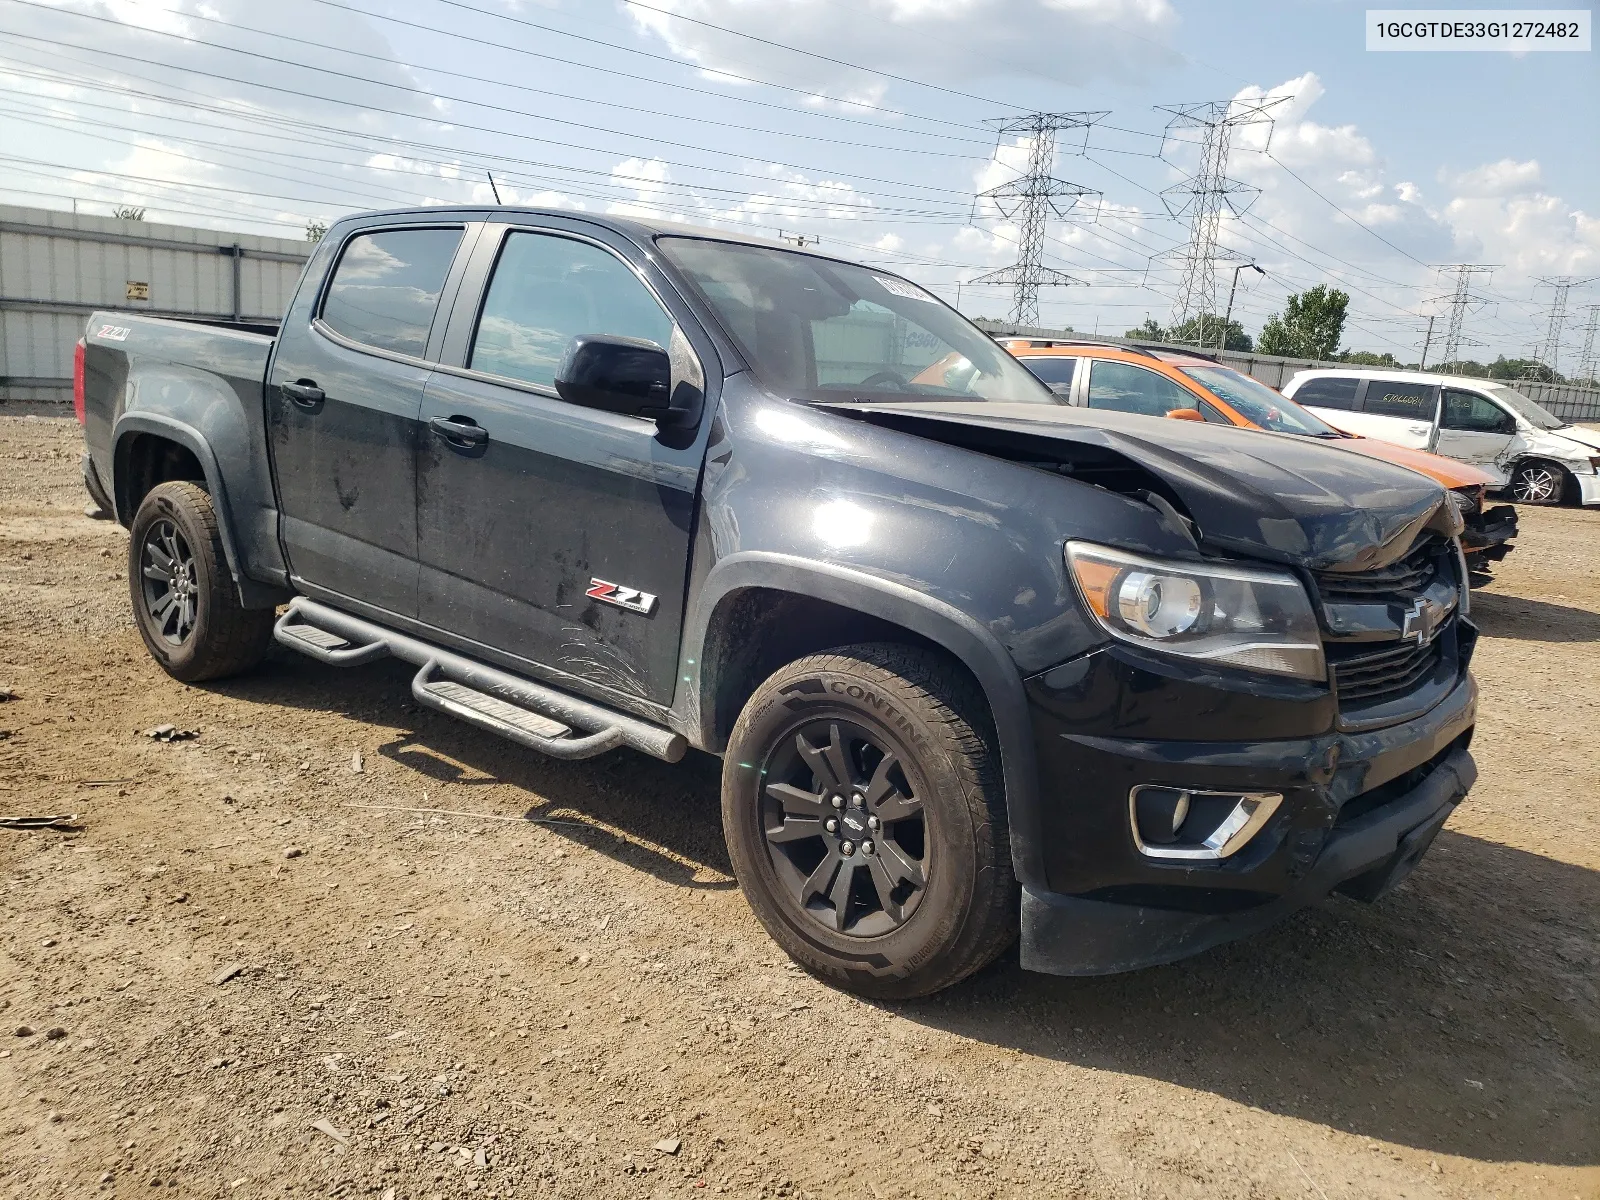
975	662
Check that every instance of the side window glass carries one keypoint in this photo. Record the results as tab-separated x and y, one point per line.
1336	392
386	287
1055	372
1128	388
1212	415
1472	413
545	291
1397	398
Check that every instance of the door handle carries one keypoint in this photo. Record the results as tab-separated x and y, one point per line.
459	431
303	392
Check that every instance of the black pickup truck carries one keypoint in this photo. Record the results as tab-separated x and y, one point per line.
975	661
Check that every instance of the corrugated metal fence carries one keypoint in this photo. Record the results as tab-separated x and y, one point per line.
1564	400
56	268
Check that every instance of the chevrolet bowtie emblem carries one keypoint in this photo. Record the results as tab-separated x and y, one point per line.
1422	621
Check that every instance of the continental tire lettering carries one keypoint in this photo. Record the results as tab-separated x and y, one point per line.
881	706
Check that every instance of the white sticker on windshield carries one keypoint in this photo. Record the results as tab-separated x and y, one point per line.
899	287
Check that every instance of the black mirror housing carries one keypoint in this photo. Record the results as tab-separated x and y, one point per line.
618	374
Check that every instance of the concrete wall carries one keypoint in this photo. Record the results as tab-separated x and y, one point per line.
1564	400
56	268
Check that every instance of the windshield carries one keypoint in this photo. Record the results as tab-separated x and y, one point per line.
815	329
1257	402
1526	409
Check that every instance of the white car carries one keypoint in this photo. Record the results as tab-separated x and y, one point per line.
1537	457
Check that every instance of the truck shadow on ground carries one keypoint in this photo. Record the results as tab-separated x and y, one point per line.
1457	1015
1424	1020
1524	620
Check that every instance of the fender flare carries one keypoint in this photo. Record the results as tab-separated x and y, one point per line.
251	594
941	623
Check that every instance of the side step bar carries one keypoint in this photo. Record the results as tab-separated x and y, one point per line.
528	713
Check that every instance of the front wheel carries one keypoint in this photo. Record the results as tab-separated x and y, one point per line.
183	595
863	809
1537	483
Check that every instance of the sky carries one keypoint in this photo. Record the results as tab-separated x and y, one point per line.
866	124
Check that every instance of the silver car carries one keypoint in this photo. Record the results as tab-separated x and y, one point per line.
1537	457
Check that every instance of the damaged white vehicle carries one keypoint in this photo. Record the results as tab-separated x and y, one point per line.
1537	457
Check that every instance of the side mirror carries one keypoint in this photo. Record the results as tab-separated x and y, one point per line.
617	374
1186	414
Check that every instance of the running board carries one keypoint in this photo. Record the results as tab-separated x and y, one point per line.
531	714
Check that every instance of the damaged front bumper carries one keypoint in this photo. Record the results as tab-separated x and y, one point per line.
1358	810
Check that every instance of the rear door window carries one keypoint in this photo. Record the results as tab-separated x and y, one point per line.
386	287
1472	413
1127	388
1336	392
1055	372
1401	398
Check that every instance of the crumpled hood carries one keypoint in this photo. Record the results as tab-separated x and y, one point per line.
1264	495
1572	433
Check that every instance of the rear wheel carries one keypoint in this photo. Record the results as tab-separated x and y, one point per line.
184	601
1538	483
864	814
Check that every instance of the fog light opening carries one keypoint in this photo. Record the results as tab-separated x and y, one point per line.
1195	825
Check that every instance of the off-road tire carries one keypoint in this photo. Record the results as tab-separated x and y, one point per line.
922	706
226	638
1537	482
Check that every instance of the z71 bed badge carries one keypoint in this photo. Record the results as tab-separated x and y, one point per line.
623	597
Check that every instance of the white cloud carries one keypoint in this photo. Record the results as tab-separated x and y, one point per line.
949	42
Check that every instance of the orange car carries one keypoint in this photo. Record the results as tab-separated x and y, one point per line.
1162	383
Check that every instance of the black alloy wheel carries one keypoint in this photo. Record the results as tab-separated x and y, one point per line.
864	808
844	827
169	582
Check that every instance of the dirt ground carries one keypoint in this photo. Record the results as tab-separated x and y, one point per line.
559	991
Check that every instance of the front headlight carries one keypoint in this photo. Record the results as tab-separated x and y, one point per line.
1255	619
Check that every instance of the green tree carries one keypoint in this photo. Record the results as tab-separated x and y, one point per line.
127	212
316	230
1310	326
1148	332
1205	331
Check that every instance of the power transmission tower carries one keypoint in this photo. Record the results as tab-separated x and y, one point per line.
1205	194
1548	351
1586	362
1460	300
1029	200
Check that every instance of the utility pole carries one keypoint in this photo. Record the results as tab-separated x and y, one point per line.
1460	300
1548	351
1029	200
1205	194
1586	363
1222	338
1427	338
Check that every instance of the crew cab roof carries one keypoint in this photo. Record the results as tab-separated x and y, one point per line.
637	228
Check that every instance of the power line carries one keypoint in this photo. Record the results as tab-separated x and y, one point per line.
1029	200
436	96
520	87
1206	193
1548	352
1460	301
666	83
839	62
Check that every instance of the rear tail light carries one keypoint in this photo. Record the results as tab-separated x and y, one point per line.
77	381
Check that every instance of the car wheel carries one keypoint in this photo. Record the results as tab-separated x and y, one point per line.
1537	483
865	818
184	600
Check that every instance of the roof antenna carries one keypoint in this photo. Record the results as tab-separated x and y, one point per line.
494	189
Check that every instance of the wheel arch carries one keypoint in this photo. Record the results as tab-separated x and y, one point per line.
1569	481
739	630
150	449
